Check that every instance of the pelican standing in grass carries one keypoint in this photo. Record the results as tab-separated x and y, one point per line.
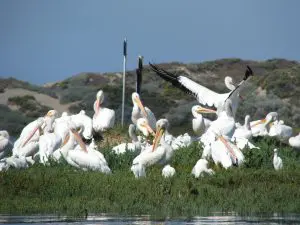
85	158
103	118
295	141
139	111
277	161
161	151
5	143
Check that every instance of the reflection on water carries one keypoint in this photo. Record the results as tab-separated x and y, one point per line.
214	218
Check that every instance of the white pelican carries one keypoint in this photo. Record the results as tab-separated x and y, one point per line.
204	95
103	118
86	158
201	167
261	127
181	141
281	131
168	171
133	146
243	134
51	142
18	162
277	161
85	123
225	152
161	151
243	131
139	111
224	125
4	144
27	143
295	141
200	124
136	144
49	120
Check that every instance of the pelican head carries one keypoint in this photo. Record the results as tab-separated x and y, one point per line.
100	96
272	116
161	127
197	109
137	101
64	114
99	101
229	83
82	112
72	128
51	113
4	133
144	127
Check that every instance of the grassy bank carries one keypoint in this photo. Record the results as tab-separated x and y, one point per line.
61	189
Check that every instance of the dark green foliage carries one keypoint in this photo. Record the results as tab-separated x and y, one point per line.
13	121
29	106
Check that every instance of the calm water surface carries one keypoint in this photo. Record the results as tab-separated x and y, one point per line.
215	218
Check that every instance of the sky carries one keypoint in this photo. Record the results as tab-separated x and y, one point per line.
49	40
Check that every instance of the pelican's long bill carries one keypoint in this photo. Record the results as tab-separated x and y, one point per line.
227	145
97	105
205	110
160	131
79	140
66	139
258	122
31	135
142	108
150	130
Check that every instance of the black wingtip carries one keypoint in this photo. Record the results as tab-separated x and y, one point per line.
248	73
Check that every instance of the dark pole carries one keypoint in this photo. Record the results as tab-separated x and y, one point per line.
139	75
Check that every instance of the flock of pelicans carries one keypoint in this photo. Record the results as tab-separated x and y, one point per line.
223	139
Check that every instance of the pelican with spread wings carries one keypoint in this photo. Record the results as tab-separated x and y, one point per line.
204	95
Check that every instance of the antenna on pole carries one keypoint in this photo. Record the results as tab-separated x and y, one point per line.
124	73
139	74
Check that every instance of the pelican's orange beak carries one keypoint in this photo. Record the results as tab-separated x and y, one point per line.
258	122
205	110
158	135
79	140
150	130
31	134
67	137
227	145
97	106
142	108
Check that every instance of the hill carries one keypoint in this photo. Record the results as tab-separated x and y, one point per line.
273	88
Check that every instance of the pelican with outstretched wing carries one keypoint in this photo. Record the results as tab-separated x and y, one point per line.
204	95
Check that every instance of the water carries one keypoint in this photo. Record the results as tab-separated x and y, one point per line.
214	218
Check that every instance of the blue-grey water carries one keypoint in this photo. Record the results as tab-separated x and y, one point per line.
215	218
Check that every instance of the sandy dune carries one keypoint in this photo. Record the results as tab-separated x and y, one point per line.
41	98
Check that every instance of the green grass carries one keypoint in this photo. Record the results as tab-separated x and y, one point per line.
252	188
